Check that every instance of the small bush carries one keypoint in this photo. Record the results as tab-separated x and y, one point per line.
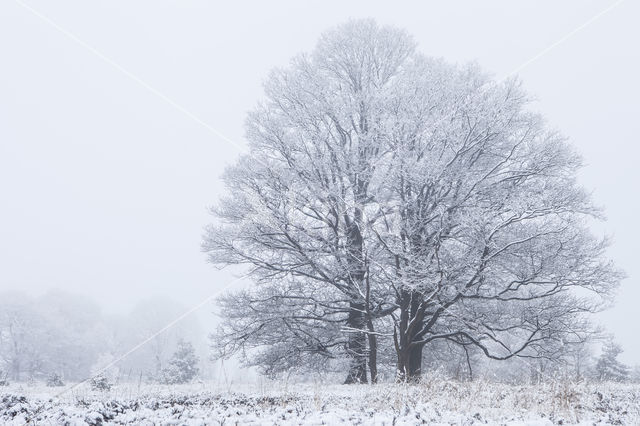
54	380
100	382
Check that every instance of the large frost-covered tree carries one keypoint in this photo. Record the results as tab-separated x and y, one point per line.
383	184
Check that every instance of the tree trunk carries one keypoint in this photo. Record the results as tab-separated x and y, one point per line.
356	344
373	355
415	363
409	367
402	369
410	364
357	317
373	341
15	368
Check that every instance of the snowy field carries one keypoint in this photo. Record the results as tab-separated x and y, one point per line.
434	402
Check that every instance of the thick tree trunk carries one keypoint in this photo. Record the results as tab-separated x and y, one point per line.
410	364
409	367
357	317
357	345
415	363
402	368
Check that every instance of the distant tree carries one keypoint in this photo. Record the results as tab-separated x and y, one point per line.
451	359
56	332
635	374
608	367
142	323
183	366
105	366
581	359
67	335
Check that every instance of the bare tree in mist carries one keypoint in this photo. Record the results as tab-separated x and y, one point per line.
388	194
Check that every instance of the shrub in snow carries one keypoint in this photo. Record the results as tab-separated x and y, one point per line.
100	382
3	379
183	366
54	380
437	401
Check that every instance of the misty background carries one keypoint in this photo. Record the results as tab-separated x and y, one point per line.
104	185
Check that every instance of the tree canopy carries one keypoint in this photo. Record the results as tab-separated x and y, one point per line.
393	198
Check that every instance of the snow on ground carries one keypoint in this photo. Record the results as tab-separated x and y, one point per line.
433	402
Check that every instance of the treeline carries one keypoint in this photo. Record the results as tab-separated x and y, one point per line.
62	337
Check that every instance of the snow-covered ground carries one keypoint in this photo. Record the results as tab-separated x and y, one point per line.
433	402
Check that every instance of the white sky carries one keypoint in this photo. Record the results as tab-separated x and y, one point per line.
104	185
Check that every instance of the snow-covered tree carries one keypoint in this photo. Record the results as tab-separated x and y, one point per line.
390	194
142	323
54	333
20	330
66	335
183	366
580	359
608	367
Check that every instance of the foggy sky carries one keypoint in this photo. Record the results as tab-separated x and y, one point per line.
104	185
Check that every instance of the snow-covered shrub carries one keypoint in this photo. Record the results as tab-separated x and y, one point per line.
54	380
3	378
435	401
100	382
183	366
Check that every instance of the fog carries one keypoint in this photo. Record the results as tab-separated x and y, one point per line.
111	116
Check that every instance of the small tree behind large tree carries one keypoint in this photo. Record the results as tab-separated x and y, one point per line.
608	366
183	366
